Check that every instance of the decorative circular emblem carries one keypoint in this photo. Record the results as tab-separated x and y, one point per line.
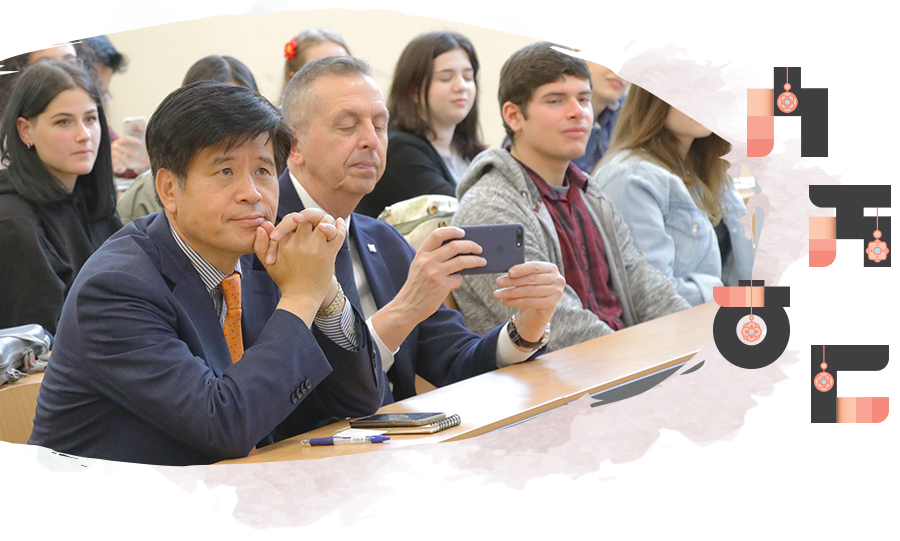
787	101
877	250
823	382
751	330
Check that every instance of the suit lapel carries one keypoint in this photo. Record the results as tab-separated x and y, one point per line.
259	297
191	293
373	263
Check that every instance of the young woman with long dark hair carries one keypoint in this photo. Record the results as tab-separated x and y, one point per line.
434	131
57	196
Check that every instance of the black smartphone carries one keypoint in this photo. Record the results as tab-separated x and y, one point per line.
503	245
387	420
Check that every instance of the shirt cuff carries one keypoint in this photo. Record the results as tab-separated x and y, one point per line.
387	356
340	328
507	353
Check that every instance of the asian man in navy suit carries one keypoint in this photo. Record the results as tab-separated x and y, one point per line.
158	358
339	119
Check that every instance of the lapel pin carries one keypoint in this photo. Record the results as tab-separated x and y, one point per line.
372	249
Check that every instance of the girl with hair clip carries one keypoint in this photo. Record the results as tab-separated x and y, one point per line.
57	196
310	45
434	121
665	175
140	197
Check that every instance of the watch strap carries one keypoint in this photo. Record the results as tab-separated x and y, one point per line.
521	342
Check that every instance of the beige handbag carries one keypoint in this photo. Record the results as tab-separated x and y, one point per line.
416	218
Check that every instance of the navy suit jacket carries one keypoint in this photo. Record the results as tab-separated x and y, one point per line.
141	371
440	349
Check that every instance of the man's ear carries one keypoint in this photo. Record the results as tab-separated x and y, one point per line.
167	188
24	127
296	155
513	116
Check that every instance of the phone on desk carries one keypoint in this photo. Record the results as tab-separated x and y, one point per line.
502	245
388	420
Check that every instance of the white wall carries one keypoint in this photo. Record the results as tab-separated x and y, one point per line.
160	55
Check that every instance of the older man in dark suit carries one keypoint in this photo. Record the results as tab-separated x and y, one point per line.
173	348
339	118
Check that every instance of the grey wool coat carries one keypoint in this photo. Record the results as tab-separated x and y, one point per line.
497	190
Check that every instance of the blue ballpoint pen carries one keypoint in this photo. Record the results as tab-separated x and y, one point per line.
341	440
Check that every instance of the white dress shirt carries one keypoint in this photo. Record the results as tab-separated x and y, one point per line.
339	328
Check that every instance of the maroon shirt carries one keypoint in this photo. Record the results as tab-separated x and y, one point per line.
583	251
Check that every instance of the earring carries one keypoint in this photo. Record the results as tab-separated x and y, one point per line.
29	145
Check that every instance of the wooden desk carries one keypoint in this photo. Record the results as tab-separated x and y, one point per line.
509	395
17	403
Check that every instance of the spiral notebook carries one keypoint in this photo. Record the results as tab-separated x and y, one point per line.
443	424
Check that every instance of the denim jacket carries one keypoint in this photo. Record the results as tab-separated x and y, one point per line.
673	232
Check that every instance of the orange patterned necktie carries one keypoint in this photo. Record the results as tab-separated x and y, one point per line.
231	291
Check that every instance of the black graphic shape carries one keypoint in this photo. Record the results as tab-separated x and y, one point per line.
693	368
812	107
840	359
849	202
778	329
633	387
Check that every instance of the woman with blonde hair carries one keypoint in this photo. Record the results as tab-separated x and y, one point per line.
665	174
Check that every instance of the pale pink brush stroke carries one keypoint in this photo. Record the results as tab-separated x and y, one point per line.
706	406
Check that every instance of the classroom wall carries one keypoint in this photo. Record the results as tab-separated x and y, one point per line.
160	55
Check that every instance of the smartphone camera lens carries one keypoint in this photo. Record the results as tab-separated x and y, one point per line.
519	237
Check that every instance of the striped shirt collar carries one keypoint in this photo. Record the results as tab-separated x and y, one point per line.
210	275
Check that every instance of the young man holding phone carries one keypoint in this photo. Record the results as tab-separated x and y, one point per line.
545	100
339	118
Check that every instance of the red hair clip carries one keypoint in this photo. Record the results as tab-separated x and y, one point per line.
290	50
